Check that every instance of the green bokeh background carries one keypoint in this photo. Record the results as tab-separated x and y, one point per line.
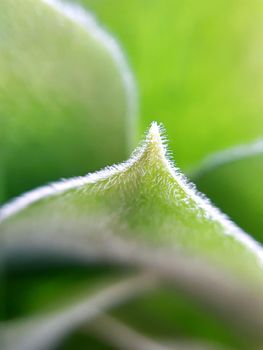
199	67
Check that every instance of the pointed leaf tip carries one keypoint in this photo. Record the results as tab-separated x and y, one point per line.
153	148
145	200
155	131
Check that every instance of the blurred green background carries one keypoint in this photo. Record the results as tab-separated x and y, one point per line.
199	67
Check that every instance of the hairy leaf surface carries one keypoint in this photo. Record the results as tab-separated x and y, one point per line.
143	213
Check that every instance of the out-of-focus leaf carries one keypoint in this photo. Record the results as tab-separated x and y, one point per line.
233	179
66	95
46	287
77	340
160	314
199	67
124	337
115	334
143	213
166	313
46	331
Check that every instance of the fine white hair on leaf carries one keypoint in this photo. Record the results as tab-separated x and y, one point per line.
56	188
204	203
154	138
87	21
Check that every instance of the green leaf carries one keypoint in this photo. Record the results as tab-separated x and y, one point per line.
143	213
162	313
46	290
166	313
233	181
67	103
43	332
114	333
42	285
124	337
198	65
144	200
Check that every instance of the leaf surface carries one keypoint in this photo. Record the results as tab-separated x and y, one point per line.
66	92
143	213
233	181
144	200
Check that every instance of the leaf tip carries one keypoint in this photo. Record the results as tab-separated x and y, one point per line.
155	142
